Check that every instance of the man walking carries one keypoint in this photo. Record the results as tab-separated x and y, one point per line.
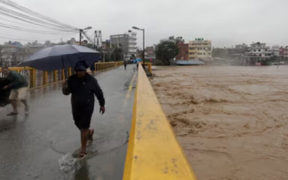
125	64
18	86
83	87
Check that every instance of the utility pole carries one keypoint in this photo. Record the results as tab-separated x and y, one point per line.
95	37
143	46
82	31
100	38
80	36
143	30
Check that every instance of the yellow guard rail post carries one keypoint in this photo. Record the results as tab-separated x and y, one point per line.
63	74
32	78
55	75
153	151
46	76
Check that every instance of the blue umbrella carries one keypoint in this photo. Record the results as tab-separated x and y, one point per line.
61	56
138	59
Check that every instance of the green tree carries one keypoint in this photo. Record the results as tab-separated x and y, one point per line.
166	51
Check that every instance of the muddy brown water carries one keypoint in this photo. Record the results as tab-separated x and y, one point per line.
231	121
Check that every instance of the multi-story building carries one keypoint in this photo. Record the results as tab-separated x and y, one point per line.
127	42
284	52
260	50
275	51
12	53
200	49
183	51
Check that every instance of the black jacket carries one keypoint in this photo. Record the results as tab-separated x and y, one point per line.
83	91
4	93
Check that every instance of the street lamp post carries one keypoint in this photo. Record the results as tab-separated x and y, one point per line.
81	31
143	30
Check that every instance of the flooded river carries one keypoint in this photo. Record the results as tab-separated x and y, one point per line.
231	121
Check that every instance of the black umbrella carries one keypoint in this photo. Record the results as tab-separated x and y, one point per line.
61	56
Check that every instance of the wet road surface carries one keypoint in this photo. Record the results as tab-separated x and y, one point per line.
40	146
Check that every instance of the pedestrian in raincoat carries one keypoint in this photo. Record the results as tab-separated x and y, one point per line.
18	86
83	88
125	64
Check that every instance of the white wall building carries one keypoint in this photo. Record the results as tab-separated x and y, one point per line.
200	49
127	42
260	50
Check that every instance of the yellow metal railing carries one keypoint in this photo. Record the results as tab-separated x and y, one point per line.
37	78
149	67
153	151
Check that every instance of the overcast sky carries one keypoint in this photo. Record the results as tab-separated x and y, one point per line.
225	22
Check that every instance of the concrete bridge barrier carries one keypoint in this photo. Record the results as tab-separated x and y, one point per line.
153	151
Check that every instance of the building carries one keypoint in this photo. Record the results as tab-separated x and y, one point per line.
12	53
183	51
127	42
150	52
259	53
276	51
283	52
259	50
242	46
200	49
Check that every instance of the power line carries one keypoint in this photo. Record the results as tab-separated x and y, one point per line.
9	20
31	20
9	37
18	39
21	19
25	29
22	14
35	14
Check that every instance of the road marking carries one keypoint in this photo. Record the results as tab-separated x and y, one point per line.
130	86
128	94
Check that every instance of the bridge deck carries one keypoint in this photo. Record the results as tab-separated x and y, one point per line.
32	147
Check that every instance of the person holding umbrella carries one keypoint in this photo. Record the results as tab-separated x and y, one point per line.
83	87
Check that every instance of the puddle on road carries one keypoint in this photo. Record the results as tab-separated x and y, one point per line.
70	165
